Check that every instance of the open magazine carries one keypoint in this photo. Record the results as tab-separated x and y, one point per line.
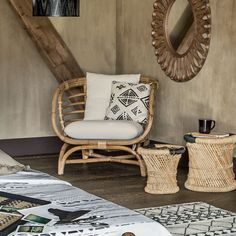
10	205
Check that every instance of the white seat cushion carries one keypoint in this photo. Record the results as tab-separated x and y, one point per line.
104	129
99	92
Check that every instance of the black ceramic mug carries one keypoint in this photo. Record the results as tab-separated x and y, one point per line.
206	125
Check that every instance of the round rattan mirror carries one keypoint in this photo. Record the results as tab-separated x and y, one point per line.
181	49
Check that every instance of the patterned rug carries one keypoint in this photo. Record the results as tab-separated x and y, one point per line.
193	219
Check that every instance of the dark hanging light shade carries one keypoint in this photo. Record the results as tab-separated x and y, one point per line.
56	7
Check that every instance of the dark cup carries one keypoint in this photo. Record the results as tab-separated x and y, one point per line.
205	126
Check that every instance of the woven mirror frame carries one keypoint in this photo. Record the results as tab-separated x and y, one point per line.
181	67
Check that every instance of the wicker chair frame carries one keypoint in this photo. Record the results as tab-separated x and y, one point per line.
211	164
68	105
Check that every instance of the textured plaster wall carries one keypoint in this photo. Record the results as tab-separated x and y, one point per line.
179	105
92	36
114	36
27	85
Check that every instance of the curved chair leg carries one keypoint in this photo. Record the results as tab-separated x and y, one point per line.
62	152
62	159
65	154
142	165
143	169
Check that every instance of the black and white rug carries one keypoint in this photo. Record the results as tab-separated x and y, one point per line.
193	219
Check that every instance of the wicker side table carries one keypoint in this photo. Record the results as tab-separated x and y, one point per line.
161	163
211	164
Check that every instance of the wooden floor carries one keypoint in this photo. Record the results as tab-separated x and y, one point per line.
123	185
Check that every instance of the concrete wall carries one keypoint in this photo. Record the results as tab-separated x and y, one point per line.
179	105
92	36
26	84
101	45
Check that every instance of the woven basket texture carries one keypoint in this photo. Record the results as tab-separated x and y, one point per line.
161	169
211	167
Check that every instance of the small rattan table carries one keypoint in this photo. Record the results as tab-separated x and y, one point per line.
161	163
210	163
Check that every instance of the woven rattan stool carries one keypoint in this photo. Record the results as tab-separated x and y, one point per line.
210	164
161	162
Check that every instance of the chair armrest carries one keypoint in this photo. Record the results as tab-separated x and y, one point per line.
59	131
69	88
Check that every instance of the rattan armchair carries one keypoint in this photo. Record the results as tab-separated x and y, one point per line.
68	105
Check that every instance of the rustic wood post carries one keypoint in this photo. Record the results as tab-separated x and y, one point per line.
51	46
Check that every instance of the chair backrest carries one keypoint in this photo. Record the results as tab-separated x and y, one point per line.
70	99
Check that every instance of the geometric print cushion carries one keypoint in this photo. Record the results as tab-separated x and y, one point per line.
129	102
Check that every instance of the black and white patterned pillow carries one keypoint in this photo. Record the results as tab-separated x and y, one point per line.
129	102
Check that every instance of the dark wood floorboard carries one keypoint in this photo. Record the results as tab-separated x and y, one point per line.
123	184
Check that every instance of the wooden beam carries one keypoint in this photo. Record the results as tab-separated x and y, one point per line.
187	40
182	33
51	46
